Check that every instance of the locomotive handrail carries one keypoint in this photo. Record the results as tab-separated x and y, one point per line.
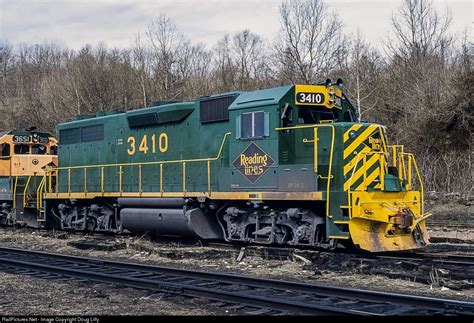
25	191
381	175
139	164
403	173
149	163
394	154
39	193
14	191
329	177
412	159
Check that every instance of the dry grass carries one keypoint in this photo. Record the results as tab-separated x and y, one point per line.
142	250
24	295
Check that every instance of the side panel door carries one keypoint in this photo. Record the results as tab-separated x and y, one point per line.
253	150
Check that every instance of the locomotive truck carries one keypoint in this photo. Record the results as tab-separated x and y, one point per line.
284	166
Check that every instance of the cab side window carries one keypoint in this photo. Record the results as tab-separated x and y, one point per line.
286	115
54	150
252	125
38	150
5	150
22	149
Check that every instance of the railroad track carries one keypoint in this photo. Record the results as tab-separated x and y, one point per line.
260	296
287	252
464	226
461	260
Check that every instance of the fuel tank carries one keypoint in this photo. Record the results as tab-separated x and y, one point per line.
171	222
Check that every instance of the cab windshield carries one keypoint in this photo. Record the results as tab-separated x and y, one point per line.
309	115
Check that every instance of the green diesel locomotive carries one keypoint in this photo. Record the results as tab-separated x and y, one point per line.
287	165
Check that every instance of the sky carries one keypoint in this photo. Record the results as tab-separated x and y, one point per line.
75	23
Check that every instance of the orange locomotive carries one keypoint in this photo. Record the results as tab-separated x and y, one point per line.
24	157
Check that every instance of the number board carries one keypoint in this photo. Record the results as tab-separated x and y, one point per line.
28	139
318	95
310	95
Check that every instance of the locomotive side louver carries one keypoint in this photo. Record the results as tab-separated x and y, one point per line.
151	118
215	109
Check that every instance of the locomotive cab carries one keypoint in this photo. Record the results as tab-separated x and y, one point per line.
25	156
302	145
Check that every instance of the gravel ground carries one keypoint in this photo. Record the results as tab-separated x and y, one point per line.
35	296
448	210
456	234
186	255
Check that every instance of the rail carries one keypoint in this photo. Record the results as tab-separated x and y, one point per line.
288	296
54	172
315	152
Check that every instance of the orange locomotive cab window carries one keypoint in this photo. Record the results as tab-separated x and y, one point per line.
21	149
53	150
38	150
5	150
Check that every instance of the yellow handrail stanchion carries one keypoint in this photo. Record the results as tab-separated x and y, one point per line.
140	179
403	166
364	168
409	172
209	176
120	180
422	187
85	181
382	171
161	179
69	181
394	155
14	191
50	180
350	185
184	177
39	195
25	190
316	150
102	180
400	166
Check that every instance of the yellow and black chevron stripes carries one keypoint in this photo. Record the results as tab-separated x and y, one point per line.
359	140
349	165
353	147
353	128
372	160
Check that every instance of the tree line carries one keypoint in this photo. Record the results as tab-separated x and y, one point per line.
419	83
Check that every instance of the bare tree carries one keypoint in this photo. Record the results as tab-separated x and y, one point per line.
194	67
6	66
141	61
166	41
310	37
249	59
422	91
419	30
361	71
225	69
